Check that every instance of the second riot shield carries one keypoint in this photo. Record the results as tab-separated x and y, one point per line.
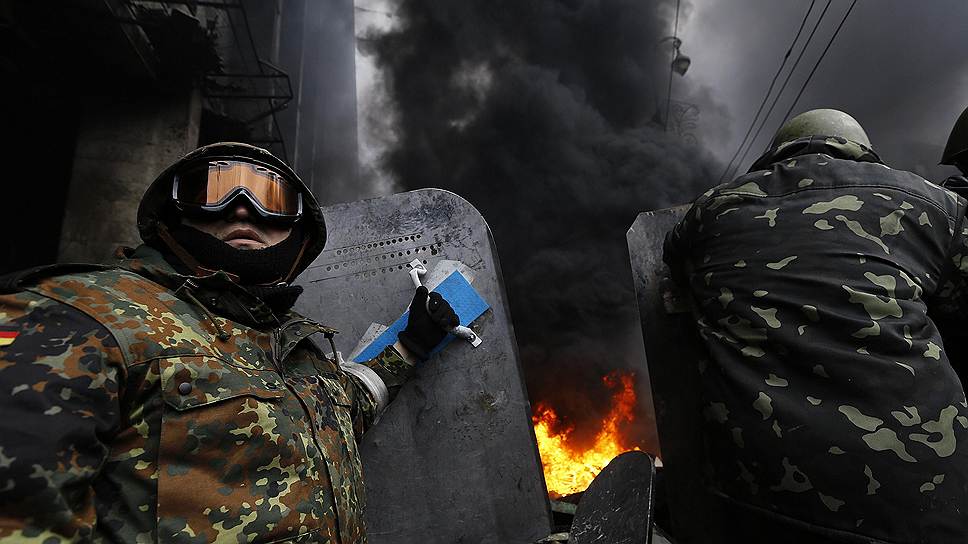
672	352
453	458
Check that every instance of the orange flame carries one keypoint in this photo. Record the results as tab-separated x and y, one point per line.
567	470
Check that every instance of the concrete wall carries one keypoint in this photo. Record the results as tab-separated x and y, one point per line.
121	146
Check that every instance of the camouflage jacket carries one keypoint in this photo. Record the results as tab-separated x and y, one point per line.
828	395
139	405
953	326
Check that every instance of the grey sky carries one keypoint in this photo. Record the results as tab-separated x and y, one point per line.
900	67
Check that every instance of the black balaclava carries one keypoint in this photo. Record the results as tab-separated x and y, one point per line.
260	271
252	266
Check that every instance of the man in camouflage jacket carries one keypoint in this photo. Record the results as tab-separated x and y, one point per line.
166	399
831	408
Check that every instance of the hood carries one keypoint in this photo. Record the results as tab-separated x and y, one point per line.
835	146
157	199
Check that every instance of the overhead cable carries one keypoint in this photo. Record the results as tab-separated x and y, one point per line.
829	43
786	80
769	91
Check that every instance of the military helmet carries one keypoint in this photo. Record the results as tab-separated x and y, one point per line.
822	122
957	149
157	200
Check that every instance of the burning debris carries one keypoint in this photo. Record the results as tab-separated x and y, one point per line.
570	468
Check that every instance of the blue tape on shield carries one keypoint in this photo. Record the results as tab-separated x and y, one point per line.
456	290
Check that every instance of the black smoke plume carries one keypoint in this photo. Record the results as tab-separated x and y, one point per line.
547	116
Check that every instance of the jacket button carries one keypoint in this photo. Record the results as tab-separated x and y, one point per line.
184	388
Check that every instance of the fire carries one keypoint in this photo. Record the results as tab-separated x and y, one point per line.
567	470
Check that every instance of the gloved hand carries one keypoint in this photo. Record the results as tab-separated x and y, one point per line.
430	317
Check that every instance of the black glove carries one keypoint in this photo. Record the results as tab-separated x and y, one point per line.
430	317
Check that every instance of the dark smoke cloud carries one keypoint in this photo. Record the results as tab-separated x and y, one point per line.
539	114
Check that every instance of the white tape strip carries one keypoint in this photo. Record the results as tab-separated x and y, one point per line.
372	381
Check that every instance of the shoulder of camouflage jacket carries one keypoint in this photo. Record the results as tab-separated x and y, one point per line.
815	171
147	319
61	377
16	281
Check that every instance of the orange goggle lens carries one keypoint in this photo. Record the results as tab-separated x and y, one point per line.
213	185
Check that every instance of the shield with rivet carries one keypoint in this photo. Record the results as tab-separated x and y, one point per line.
453	458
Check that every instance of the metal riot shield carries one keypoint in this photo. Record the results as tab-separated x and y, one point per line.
617	506
453	458
672	351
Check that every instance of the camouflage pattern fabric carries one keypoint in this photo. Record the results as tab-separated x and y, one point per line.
829	397
952	325
127	419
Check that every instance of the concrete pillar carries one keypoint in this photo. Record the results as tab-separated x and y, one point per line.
318	51
121	147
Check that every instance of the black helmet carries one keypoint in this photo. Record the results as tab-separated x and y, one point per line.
957	149
157	199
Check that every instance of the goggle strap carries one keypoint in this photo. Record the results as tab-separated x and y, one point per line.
179	251
295	263
186	258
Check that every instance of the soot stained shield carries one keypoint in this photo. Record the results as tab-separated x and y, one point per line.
453	458
672	352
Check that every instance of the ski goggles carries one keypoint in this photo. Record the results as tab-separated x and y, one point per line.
213	185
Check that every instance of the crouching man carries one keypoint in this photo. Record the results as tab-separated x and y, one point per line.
833	413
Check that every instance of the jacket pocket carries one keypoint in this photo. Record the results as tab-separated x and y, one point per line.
193	381
232	462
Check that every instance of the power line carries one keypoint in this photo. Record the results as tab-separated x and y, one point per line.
829	43
766	97
786	80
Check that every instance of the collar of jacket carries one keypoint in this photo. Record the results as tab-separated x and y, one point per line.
835	146
216	292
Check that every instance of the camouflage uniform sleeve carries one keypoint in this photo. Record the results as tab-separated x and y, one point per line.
59	388
949	309
370	392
